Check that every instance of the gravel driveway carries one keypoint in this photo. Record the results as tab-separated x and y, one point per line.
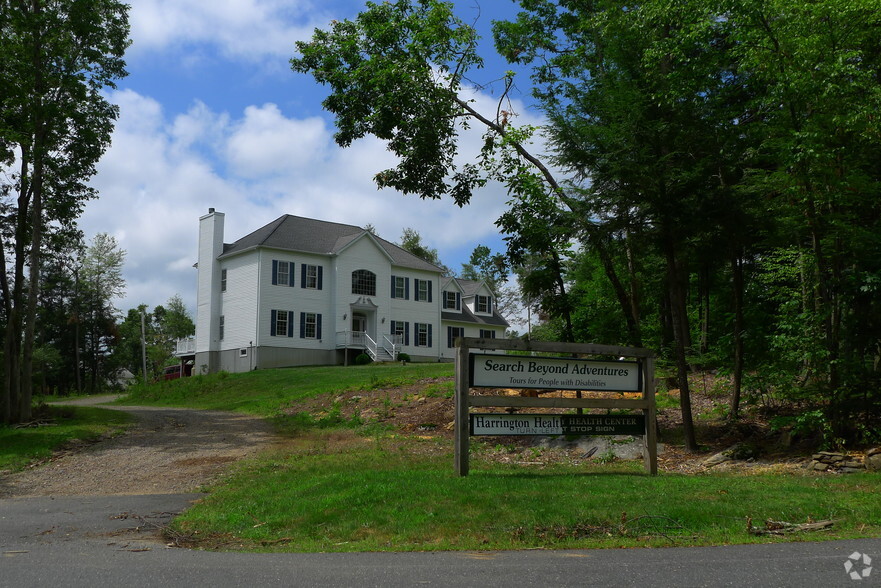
168	451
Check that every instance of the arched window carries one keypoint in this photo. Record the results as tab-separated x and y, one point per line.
364	282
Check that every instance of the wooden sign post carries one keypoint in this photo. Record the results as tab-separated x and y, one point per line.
632	372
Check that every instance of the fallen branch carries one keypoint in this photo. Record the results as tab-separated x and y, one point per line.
785	528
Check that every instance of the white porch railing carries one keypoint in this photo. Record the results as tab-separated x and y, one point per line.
387	351
185	346
391	343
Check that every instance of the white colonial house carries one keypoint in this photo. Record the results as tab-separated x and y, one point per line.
300	291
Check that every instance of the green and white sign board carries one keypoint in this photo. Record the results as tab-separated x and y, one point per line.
486	364
559	373
556	424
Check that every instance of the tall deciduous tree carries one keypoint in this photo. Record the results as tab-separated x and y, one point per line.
101	282
411	241
56	58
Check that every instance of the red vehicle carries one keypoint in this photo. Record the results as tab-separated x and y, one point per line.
173	372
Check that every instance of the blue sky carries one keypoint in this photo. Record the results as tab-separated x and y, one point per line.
212	116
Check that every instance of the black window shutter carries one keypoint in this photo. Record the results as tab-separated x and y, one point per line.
406	288
302	325
302	275
273	315
406	333
429	334
449	336
291	275
458	301
320	276
393	286
429	293
274	272
318	326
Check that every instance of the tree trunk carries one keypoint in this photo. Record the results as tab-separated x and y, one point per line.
704	295
737	375
680	335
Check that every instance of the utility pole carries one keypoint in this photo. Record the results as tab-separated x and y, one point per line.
143	347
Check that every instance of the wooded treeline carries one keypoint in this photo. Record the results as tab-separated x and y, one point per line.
706	182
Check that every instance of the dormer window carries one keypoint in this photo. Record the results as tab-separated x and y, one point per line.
363	282
452	300
484	304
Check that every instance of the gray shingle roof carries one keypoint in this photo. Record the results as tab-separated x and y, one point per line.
466	316
469	287
306	235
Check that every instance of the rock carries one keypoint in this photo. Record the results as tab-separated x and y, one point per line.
873	462
852	464
847	470
715	460
818	466
873	451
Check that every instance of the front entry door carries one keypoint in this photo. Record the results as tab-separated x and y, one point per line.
359	323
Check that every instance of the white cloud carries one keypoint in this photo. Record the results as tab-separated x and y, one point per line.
266	143
160	176
241	29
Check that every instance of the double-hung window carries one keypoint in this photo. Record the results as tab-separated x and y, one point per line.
422	333
281	323
310	325
484	304
487	334
452	300
423	290
282	273
400	331
221	325
223	280
400	288
453	333
311	276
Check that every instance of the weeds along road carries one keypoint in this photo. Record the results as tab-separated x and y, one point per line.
87	548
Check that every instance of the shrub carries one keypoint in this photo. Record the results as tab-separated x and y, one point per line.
363	359
403	357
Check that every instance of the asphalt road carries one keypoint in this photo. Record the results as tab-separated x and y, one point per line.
111	541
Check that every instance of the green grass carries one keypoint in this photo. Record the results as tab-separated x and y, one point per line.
21	446
267	392
338	484
333	492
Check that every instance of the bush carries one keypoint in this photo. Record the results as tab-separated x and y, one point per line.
403	357
363	359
